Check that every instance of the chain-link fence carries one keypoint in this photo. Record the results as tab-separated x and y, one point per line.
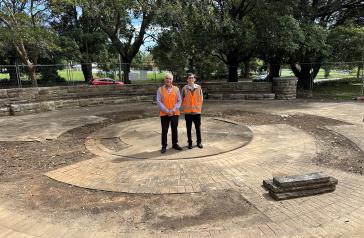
329	78
333	79
18	76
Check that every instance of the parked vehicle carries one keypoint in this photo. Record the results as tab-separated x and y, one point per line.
261	77
105	81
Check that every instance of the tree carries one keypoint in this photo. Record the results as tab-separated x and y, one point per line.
27	29
231	32
347	44
316	18
119	20
183	44
168	55
313	49
74	23
8	55
278	34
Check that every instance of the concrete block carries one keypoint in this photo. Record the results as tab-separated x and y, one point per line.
303	193
301	180
269	184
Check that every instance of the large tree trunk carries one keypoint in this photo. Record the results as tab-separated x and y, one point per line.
32	75
12	74
358	72
246	69
87	71
233	73
126	71
305	75
327	70
232	65
274	71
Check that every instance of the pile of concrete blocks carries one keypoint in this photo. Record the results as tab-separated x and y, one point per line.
286	187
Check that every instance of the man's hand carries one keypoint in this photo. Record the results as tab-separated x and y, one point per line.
170	113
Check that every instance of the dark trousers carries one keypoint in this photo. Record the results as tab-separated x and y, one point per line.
196	119
165	121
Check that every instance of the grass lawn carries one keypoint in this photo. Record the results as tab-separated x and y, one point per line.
4	76
78	76
321	74
74	75
342	89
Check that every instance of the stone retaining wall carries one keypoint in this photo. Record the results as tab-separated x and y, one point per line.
31	100
285	88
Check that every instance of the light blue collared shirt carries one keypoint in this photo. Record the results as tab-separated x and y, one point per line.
161	104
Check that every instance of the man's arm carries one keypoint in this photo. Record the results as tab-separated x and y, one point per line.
160	103
201	93
183	93
178	103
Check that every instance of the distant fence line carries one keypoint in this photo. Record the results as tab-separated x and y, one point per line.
16	76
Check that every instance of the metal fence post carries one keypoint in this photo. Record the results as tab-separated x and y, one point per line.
362	74
18	74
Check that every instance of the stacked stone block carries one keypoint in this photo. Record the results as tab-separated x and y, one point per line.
285	88
286	187
33	100
239	91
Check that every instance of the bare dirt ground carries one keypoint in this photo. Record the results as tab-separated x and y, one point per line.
22	165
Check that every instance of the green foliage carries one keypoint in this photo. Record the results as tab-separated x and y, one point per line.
278	32
207	37
168	55
347	43
313	46
143	61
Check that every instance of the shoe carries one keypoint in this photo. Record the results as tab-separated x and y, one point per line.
199	145
177	147
189	146
163	150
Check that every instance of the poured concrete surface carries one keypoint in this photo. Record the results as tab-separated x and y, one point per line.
141	139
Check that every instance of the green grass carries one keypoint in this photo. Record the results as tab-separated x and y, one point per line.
74	75
151	78
321	74
78	76
341	89
4	76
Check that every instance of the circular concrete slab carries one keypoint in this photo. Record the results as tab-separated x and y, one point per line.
141	139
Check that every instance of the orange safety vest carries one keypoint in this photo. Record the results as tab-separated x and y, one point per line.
169	100
192	102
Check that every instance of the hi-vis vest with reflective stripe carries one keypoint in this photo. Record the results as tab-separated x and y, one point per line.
169	100
192	102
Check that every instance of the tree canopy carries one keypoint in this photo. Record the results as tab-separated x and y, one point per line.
213	38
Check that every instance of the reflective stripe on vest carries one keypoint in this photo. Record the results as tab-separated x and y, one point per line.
192	103
169	100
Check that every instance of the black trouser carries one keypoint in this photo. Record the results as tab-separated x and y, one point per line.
196	119
165	120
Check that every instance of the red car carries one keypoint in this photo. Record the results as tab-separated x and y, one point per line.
105	81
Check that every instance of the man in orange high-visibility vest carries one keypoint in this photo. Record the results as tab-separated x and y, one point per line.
169	102
192	106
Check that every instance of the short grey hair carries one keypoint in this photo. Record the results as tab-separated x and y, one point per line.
168	74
